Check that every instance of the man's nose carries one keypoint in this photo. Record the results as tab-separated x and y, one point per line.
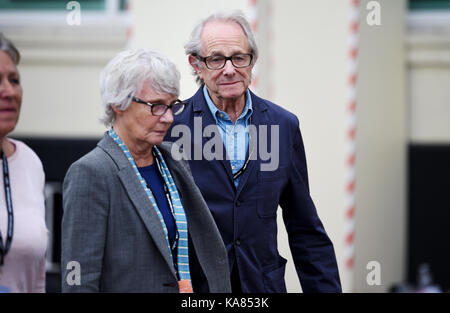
229	68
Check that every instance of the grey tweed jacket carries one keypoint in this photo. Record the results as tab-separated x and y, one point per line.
111	229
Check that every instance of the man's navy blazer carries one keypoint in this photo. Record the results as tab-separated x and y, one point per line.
247	215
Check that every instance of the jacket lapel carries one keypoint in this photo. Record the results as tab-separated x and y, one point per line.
258	118
201	110
138	196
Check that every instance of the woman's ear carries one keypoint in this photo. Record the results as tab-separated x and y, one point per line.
116	110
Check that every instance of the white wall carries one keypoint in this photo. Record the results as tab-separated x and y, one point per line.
310	69
311	74
60	69
382	126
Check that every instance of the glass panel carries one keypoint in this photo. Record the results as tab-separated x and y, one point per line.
49	4
429	4
123	5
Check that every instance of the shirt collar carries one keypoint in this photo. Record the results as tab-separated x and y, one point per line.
248	109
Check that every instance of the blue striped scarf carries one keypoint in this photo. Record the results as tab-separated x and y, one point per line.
177	207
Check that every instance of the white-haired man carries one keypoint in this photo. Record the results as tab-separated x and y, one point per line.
242	182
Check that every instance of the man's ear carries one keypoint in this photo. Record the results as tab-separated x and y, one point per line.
193	61
255	58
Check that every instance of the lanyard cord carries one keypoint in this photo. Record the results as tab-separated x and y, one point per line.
182	264
244	167
4	249
169	200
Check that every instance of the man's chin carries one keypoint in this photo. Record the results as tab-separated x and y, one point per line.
233	93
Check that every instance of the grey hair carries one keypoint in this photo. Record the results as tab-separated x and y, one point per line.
194	45
8	47
126	74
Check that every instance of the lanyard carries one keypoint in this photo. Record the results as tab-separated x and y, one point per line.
244	167
169	200
182	248
4	249
182	264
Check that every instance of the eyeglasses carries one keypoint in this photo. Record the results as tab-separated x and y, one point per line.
217	62
160	108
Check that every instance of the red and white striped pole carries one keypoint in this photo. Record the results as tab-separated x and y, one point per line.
351	139
130	28
253	20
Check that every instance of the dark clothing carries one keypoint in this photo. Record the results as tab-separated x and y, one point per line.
247	215
156	184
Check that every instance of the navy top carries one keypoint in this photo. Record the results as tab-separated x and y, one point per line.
156	184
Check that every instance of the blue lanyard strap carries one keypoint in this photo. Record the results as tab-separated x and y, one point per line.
168	198
4	249
174	201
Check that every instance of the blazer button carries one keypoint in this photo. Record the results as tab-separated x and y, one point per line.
238	203
237	242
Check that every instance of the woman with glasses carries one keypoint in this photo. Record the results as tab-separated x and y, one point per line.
134	220
23	234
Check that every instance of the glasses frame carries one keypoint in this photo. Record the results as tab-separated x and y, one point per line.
152	105
204	59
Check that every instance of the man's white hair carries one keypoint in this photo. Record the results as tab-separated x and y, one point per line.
194	45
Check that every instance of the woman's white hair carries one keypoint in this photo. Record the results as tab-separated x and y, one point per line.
8	47
194	45
126	74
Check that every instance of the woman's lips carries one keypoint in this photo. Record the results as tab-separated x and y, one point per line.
7	111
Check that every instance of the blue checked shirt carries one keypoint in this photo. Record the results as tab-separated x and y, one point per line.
234	136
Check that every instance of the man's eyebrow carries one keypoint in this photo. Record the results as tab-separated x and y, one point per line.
233	52
216	53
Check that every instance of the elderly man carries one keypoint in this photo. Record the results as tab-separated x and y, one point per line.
242	182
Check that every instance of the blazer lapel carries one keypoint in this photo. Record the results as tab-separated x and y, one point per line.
258	118
201	110
138	197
